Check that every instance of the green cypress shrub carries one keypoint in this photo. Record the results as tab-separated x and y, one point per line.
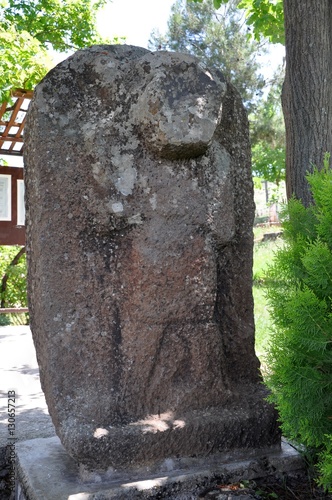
299	284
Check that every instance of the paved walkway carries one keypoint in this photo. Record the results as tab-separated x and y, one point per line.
19	372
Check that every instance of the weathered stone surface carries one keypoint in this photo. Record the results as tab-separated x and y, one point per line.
140	209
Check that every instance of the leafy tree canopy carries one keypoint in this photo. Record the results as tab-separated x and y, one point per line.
265	17
24	61
61	24
219	39
29	27
268	134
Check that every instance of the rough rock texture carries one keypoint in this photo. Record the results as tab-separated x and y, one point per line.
140	209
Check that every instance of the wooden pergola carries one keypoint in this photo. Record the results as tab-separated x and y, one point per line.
12	224
12	121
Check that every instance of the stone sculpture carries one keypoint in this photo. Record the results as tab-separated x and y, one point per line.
139	243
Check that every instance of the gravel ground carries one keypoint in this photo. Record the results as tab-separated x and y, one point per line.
294	487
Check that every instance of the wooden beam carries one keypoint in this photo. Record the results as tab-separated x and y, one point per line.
11	310
12	152
12	138
20	96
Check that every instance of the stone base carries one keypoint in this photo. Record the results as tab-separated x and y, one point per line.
248	422
45	471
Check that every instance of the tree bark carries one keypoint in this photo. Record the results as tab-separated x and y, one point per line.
307	92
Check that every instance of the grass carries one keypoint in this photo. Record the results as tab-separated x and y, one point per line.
263	257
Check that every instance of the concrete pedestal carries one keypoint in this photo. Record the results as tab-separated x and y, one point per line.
45	471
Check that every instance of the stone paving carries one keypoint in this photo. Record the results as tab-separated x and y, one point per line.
19	372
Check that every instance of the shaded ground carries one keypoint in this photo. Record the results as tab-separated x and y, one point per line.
293	487
19	379
300	487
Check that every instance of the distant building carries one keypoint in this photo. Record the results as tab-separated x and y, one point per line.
12	212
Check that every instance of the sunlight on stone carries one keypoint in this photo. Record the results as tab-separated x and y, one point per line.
160	423
179	424
100	432
146	485
80	496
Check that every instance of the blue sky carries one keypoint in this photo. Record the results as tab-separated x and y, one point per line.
134	19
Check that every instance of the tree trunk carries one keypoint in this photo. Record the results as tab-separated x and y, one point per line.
307	92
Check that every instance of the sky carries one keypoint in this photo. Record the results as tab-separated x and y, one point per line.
134	19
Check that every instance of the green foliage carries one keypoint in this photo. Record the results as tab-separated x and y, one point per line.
61	24
263	257
13	284
268	122
300	298
266	17
325	465
268	163
24	61
29	27
14	294
219	39
268	135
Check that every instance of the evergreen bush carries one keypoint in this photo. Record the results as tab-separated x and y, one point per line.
299	294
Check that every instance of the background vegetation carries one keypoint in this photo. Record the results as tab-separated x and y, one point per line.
263	258
220	39
30	28
13	283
